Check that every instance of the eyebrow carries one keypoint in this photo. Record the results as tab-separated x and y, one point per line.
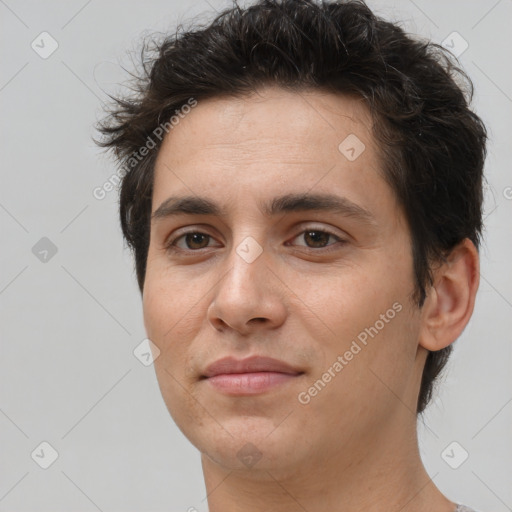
195	205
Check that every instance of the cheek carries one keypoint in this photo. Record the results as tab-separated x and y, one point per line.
351	301
163	315
167	301
155	311
169	323
374	381
173	316
374	327
384	370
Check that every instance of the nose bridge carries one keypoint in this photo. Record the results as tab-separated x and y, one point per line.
246	261
249	250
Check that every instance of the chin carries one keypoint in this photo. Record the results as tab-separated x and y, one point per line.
255	444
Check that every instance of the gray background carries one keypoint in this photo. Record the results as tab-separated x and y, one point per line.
69	324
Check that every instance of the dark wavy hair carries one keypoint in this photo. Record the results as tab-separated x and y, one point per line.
433	147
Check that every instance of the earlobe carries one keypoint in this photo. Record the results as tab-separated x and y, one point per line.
450	301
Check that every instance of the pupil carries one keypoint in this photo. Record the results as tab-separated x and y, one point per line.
194	237
320	236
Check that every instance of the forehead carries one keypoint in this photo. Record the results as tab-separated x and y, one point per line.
272	141
279	118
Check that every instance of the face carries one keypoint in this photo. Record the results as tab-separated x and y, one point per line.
248	266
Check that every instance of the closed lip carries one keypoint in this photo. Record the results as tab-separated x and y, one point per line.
249	365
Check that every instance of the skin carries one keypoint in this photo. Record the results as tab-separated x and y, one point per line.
354	445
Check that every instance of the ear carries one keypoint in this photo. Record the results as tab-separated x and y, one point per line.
451	299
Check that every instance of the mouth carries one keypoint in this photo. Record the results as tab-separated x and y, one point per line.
249	376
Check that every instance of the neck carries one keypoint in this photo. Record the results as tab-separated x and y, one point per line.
384	471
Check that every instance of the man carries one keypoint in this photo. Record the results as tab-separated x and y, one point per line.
303	194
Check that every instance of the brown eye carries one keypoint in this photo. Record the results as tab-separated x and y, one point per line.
191	241
318	239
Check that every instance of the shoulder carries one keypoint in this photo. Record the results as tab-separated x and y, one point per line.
463	508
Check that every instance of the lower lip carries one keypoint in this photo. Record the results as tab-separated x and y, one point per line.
249	383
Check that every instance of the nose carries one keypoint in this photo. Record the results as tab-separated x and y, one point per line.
249	296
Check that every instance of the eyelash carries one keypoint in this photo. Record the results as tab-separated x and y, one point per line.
171	247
